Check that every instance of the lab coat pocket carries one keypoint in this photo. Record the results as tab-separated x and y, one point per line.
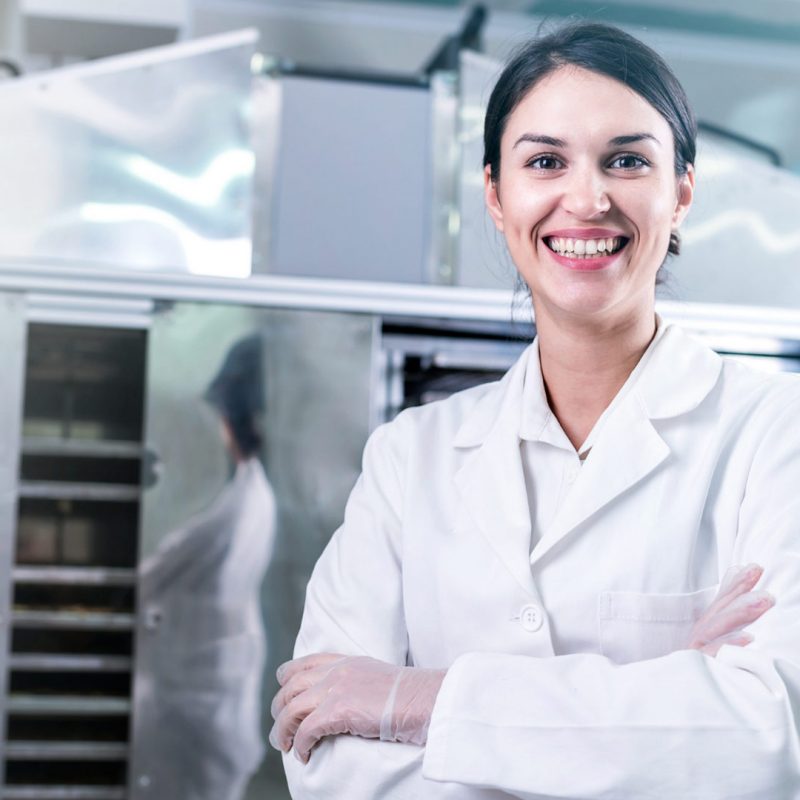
635	626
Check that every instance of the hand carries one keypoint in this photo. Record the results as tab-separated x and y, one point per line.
327	694
734	607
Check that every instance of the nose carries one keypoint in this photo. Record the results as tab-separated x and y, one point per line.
586	194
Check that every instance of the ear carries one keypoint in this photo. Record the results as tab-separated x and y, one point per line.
492	198
685	196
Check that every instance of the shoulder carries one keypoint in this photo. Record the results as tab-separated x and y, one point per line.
464	418
429	429
756	391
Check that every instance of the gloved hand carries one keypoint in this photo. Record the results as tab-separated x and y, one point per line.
326	694
734	607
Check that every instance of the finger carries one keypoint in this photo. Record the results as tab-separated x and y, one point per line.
740	613
289	720
288	669
737	581
314	727
734	572
298	683
738	639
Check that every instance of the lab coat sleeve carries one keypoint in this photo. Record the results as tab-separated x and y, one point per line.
354	605
676	727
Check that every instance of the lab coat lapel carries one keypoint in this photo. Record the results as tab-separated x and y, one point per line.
628	450
491	482
678	376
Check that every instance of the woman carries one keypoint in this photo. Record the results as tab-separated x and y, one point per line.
199	708
534	578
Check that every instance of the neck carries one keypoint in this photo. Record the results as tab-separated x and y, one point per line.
585	363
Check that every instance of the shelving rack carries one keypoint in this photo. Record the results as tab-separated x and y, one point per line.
67	713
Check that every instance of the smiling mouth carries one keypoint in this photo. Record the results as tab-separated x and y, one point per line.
585	248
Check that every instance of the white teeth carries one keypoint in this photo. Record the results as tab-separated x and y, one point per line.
585	248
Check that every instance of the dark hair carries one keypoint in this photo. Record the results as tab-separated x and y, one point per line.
608	51
237	393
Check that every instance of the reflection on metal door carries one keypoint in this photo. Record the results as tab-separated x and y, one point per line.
255	422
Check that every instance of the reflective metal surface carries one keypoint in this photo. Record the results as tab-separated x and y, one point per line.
351	196
208	639
483	260
140	161
741	240
444	179
764	325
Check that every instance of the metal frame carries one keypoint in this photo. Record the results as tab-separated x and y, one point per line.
764	328
13	347
266	103
444	232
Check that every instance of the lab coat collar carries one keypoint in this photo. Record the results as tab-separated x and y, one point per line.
682	372
679	374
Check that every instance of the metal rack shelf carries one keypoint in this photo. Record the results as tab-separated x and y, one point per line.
80	620
75	576
38	662
30	792
89	448
66	751
66	705
62	490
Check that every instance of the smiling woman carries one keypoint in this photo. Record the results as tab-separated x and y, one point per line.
538	590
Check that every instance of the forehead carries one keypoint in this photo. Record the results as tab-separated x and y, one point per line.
575	104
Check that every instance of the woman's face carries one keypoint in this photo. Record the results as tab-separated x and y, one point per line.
587	195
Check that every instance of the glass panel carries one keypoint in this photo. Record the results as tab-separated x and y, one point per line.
255	422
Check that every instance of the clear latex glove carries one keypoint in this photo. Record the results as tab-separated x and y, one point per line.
327	694
734	608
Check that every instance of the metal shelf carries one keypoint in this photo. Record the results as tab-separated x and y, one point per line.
82	576
73	620
67	705
38	662
89	448
62	490
66	751
29	792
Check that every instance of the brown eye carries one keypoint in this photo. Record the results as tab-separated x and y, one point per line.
545	162
629	161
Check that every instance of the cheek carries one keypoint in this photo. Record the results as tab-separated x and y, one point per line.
651	214
525	209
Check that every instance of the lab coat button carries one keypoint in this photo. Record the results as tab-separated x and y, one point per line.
531	618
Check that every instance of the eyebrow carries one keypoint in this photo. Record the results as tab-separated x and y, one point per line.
539	138
631	138
617	141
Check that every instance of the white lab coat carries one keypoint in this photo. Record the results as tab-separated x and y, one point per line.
202	658
566	678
